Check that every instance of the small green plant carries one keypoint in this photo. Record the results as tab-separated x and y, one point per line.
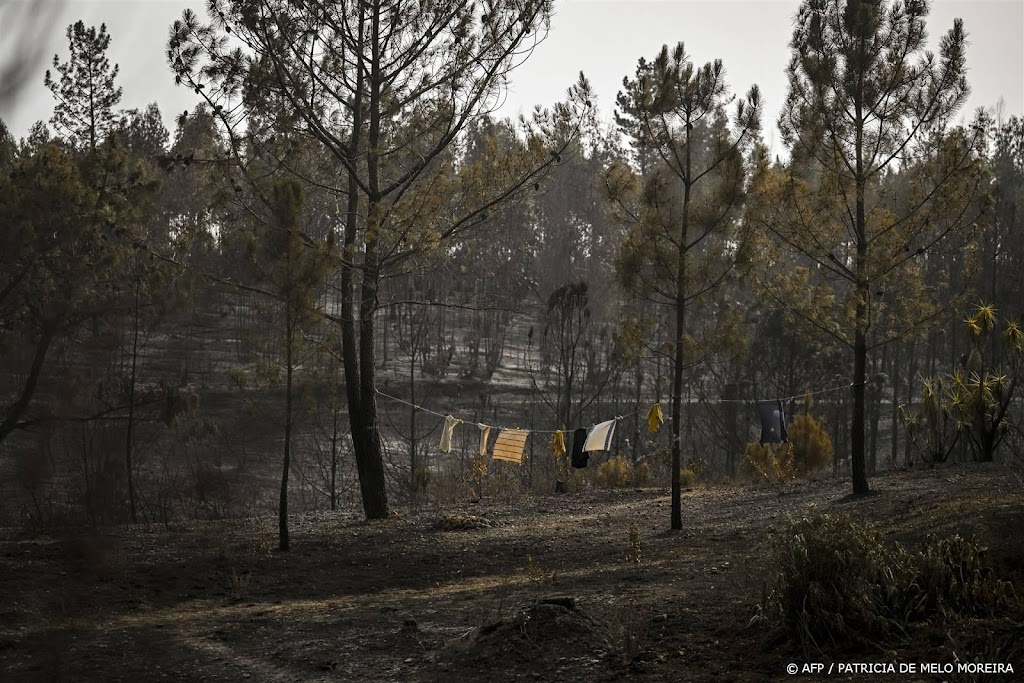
811	444
537	573
768	462
619	472
687	477
635	555
630	629
263	539
614	473
418	482
641	473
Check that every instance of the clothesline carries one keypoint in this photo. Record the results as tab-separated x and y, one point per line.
511	441
784	398
637	412
443	415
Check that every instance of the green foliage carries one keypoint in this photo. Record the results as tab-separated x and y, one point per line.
768	462
85	93
635	549
537	573
931	430
619	472
973	402
809	450
811	444
879	189
833	582
687	477
70	251
418	482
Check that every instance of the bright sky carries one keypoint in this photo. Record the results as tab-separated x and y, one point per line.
603	38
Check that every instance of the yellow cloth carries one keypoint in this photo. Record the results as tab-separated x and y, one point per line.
557	445
654	418
510	444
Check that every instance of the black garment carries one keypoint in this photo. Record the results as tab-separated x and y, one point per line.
773	422
579	456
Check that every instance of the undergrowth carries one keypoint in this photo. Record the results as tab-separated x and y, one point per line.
836	582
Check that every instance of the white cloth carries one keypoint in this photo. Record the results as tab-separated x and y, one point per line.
446	433
485	433
600	437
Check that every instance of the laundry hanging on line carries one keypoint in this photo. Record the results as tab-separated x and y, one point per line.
557	445
485	433
655	418
450	423
773	422
510	444
579	455
600	437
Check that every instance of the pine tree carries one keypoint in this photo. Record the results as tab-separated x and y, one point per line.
86	94
683	211
389	99
878	191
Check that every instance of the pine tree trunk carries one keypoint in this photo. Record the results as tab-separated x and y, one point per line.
131	411
907	445
679	358
876	411
863	294
18	408
286	466
334	458
893	369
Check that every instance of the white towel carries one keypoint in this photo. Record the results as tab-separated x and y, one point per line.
485	432
446	433
600	437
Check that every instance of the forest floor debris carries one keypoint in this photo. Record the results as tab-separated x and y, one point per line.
412	598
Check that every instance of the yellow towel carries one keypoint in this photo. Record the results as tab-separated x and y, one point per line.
557	445
509	445
655	418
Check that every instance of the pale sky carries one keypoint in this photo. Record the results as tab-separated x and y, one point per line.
603	38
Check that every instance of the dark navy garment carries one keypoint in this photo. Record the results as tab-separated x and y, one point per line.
773	422
579	456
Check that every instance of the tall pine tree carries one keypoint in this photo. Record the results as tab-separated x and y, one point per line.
868	105
86	94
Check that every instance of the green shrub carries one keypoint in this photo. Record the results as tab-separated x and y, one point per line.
952	577
641	474
812	446
769	462
619	472
834	581
614	473
687	477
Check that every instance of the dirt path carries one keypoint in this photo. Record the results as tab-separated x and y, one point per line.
405	599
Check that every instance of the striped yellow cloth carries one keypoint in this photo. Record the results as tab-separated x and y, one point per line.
510	445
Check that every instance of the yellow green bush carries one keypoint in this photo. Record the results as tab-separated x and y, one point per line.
619	472
768	462
812	446
687	477
809	450
833	581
